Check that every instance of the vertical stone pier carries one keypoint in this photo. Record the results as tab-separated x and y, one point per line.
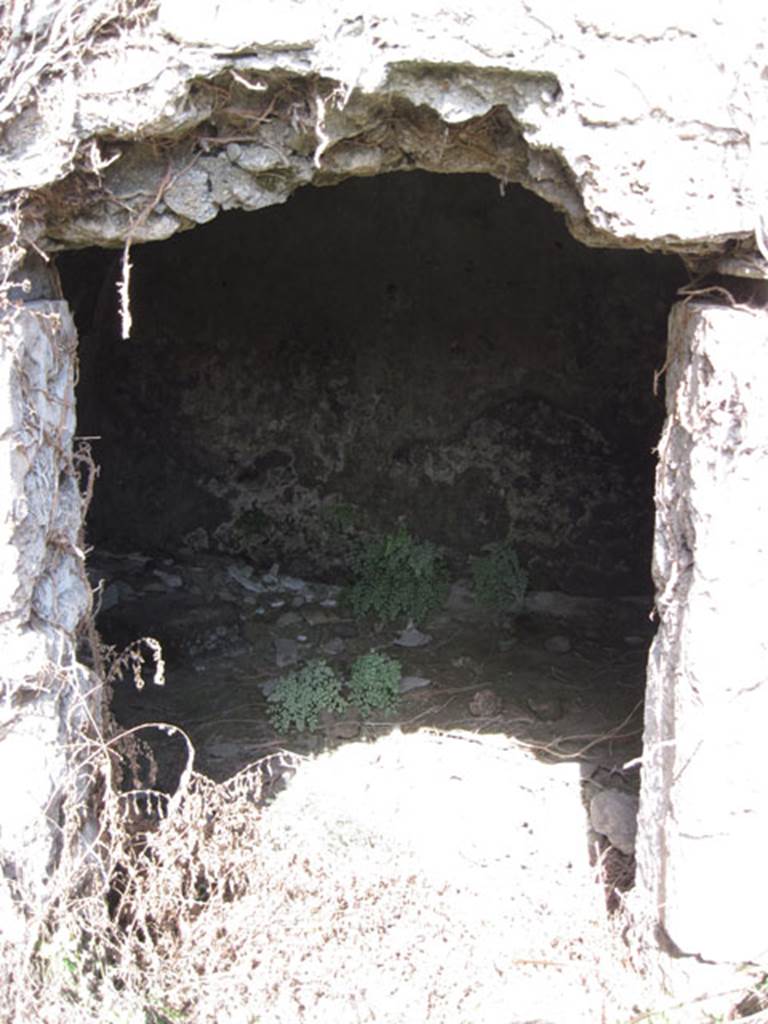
703	830
45	703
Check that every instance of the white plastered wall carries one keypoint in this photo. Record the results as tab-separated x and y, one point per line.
703	836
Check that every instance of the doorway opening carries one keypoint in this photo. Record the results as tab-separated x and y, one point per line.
413	353
415	360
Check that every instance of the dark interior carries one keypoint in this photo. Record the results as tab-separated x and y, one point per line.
420	350
414	348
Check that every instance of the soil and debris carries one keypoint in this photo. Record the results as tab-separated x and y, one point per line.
565	678
436	862
562	676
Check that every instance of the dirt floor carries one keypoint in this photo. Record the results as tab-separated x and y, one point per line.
434	863
566	677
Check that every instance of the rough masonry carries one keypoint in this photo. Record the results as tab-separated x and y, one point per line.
642	124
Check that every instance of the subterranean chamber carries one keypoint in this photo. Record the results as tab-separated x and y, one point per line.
411	352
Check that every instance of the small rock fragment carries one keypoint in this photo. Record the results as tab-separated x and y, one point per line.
333	646
242	576
110	597
292	583
286	652
315	616
485	704
557	644
613	814
464	661
289	619
412	637
408	683
172	580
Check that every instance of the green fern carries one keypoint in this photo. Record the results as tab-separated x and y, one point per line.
374	682
398	576
500	582
299	698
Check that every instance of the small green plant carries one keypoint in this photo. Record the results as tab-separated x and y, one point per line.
397	575
298	699
374	682
500	582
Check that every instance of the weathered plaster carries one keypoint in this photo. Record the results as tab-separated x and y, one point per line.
705	797
642	124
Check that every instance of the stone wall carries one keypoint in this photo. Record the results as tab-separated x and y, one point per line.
581	103
643	124
413	348
705	800
46	705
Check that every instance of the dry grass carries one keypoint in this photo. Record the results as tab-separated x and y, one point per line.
436	877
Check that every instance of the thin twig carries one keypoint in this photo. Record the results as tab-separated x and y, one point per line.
612	734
